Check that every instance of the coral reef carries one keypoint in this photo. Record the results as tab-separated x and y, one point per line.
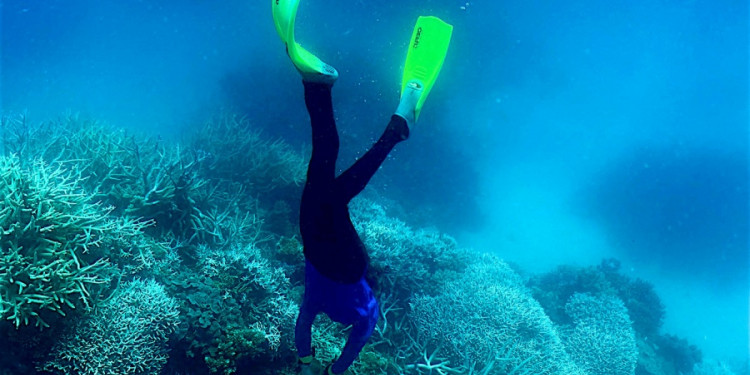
235	151
140	256
127	334
678	352
658	353
406	261
601	340
488	319
239	160
234	306
554	289
51	237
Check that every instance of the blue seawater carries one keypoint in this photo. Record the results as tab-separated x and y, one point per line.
558	133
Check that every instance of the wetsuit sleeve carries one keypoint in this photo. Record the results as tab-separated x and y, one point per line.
353	180
361	332
303	330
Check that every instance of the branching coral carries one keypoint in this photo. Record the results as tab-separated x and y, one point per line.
406	260
135	253
166	189
236	152
141	177
235	288
238	341
237	158
602	340
127	334
20	137
50	235
217	197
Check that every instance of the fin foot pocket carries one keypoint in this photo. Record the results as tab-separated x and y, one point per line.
410	96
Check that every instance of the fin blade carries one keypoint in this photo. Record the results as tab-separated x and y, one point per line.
284	16
427	50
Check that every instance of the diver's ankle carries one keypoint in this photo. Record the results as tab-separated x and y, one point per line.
407	106
408	114
319	79
399	126
311	68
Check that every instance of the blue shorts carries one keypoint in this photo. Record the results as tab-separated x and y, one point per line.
343	303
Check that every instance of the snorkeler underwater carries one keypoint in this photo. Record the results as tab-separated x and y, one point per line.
437	187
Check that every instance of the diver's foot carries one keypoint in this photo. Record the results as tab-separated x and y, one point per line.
327	75
407	107
311	67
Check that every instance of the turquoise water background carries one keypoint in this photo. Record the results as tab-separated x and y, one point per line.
558	132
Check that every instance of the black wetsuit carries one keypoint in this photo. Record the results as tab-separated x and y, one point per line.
330	241
335	257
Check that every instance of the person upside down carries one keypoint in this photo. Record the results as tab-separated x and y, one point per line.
336	260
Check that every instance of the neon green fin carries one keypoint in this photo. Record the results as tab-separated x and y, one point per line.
427	50
284	16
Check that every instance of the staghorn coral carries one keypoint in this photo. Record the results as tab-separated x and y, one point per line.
289	250
127	334
602	340
135	253
236	152
166	190
50	238
236	156
657	353
187	193
23	139
138	176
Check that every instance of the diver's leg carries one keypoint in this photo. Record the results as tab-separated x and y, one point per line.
325	138
354	179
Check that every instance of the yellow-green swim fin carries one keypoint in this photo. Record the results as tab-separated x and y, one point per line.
311	67
427	49
284	15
